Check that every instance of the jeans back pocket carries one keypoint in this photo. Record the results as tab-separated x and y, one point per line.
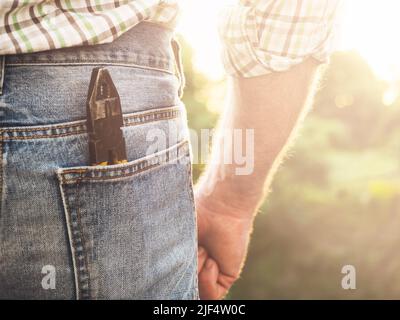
132	227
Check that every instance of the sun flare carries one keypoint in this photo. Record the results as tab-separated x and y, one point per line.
368	26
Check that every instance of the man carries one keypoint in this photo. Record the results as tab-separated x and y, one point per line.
113	231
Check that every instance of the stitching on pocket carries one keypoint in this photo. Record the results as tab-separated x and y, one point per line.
134	120
79	127
45	128
83	273
43	137
77	245
174	153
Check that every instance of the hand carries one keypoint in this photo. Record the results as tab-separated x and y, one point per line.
223	235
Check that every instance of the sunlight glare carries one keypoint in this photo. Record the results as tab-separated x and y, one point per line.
199	26
369	27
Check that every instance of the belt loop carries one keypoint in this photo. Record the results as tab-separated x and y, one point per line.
178	64
2	71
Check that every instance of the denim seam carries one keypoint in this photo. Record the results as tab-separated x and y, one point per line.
136	167
1	170
69	226
45	128
80	127
171	113
45	137
2	72
176	48
145	169
191	197
83	275
177	147
190	183
96	62
128	61
129	58
127	117
77	243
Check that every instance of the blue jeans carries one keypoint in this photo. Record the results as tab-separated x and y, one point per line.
69	230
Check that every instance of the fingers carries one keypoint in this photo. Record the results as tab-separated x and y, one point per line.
213	285
208	281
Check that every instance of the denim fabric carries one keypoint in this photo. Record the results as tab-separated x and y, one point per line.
125	231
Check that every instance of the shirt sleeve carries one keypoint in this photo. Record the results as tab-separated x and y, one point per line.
264	36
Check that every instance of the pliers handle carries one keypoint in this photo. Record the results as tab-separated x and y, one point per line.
104	120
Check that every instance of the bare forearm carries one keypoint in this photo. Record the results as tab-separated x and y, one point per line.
270	108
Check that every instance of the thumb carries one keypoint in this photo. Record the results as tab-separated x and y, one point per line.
202	258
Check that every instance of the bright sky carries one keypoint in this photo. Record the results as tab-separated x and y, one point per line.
369	26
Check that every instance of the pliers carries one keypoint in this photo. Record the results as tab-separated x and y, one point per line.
104	120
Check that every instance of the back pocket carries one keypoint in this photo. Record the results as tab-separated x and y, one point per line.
132	227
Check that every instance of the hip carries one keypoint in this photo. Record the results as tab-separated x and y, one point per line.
114	231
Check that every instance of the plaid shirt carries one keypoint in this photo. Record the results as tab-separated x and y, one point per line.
263	36
36	25
259	36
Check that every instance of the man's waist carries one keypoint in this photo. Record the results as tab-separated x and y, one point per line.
146	45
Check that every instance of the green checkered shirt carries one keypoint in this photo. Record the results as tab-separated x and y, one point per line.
35	25
259	36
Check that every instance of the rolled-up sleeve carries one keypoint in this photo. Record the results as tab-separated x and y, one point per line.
264	36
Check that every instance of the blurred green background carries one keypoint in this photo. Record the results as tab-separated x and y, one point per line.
335	201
